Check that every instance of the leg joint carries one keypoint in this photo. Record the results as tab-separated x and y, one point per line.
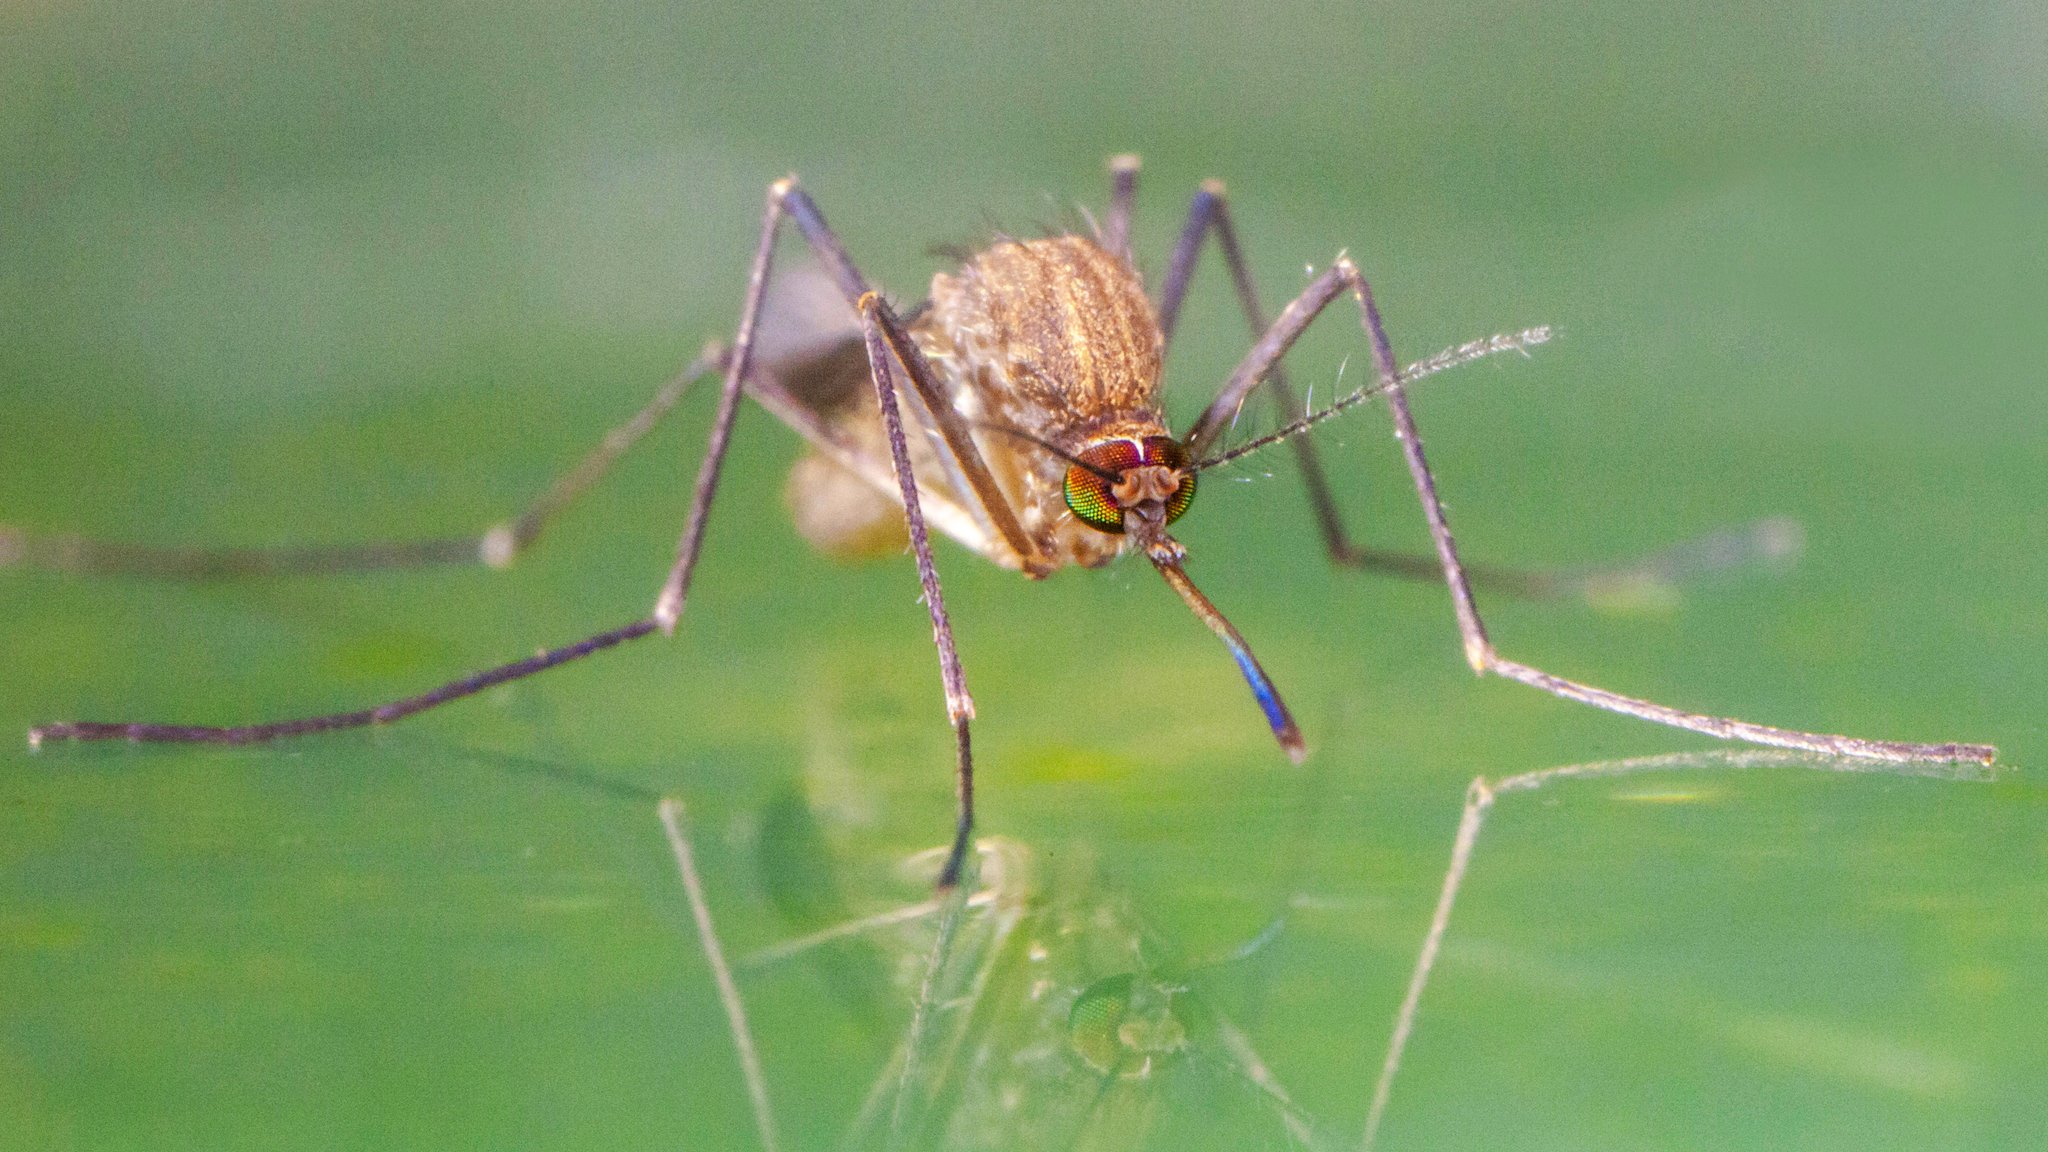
1479	654
959	708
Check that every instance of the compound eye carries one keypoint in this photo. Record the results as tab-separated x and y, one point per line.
1089	499
1088	483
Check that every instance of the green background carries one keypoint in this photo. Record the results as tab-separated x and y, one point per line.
329	272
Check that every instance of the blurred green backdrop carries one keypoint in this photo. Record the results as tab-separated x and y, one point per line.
329	272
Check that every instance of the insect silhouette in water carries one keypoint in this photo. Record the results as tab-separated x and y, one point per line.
1019	412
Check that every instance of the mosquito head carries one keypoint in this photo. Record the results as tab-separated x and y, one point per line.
1148	479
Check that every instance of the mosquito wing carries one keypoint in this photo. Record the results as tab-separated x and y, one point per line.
813	375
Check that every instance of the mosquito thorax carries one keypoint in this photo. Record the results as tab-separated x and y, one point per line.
1113	476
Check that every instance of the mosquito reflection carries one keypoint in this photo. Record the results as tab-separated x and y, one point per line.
1034	1009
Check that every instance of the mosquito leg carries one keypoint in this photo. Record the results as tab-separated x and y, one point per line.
1479	650
785	198
360	718
959	440
507	540
959	705
878	324
1210	214
496	547
81	555
332	722
667	607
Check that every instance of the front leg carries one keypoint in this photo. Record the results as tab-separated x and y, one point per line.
1479	651
885	357
1765	542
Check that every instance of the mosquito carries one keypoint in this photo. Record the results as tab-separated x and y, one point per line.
1037	439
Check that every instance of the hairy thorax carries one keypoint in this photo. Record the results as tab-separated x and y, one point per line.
1047	342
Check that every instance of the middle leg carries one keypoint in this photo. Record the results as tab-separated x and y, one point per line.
496	547
888	351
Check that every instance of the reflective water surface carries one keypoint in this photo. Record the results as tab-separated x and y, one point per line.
337	272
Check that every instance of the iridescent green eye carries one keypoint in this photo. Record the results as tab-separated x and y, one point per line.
1090	484
1125	1025
1093	1021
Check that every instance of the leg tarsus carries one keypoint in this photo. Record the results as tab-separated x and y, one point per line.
1727	728
1651	581
336	721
